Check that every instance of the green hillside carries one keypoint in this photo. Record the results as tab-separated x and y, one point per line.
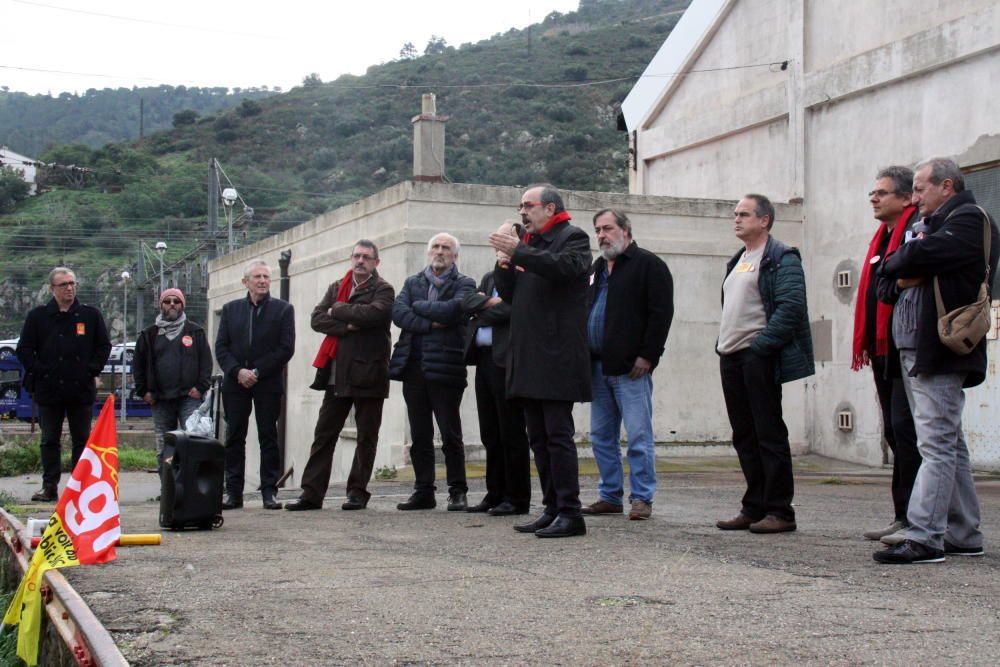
525	106
30	124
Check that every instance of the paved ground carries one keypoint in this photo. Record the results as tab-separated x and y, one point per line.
387	587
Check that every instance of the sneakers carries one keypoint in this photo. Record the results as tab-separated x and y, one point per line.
641	510
909	552
46	494
772	524
893	539
602	507
878	534
954	550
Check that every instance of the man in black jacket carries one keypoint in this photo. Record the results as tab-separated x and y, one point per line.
544	279
352	371
948	250
501	420
255	341
172	366
63	348
428	359
631	307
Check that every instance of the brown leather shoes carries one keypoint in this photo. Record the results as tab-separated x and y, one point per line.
772	524
641	510
738	522
46	494
602	507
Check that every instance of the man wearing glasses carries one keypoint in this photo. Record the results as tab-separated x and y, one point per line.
873	344
172	366
544	279
353	371
63	348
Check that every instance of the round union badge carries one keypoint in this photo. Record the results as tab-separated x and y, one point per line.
187	341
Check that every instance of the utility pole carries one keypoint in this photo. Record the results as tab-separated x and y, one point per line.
213	207
140	289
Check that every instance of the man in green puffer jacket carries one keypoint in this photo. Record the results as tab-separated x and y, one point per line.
764	341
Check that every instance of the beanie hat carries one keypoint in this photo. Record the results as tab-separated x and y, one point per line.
173	291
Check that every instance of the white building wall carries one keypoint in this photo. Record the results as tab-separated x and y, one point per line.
883	83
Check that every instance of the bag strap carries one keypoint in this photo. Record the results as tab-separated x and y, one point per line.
986	255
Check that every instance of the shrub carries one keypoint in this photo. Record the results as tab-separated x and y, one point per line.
575	73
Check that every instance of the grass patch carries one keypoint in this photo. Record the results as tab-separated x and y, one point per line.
8	639
23	459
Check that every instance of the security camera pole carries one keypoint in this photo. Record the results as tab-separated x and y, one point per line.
125	278
229	197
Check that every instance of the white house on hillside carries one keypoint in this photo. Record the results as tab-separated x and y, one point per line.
21	163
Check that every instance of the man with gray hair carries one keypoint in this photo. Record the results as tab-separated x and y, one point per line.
943	268
255	341
63	348
631	306
428	359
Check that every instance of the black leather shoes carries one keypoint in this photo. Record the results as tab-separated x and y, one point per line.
354	503
507	508
270	503
301	505
457	502
564	526
480	507
541	522
232	502
418	501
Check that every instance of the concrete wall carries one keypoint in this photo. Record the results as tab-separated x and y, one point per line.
868	85
693	236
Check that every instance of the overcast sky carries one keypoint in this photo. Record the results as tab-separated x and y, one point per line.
69	46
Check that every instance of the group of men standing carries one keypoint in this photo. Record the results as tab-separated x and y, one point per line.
548	327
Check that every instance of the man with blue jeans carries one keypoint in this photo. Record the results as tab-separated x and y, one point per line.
172	366
631	307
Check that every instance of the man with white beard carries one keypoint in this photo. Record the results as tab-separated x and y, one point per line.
631	306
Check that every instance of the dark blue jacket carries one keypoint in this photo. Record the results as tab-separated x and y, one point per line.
441	348
261	338
62	353
782	285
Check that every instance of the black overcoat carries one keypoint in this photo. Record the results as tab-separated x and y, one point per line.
546	287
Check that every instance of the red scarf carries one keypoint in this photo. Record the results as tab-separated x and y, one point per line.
554	220
328	350
883	311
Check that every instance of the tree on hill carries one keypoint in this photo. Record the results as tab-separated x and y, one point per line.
12	189
408	52
185	117
435	46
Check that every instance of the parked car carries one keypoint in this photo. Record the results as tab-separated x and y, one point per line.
114	364
8	348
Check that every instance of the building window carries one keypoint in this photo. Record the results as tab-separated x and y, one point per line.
984	182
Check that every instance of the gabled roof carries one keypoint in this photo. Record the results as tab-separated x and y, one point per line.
681	48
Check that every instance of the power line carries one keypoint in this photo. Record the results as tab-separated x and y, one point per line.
133	19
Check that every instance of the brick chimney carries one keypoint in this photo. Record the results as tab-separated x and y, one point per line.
428	142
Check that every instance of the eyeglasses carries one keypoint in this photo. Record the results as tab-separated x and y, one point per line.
527	205
172	302
68	283
358	255
880	193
